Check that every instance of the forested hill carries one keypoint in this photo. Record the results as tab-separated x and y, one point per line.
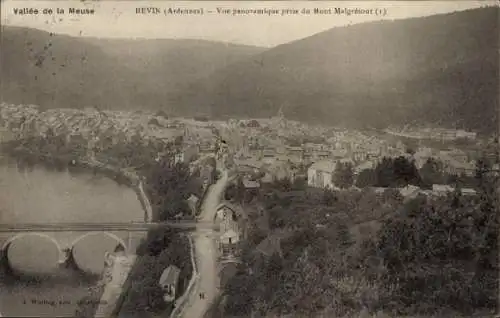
53	70
441	69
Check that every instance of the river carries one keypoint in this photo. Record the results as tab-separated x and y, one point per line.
38	194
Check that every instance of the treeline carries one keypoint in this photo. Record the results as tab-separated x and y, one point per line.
316	228
112	148
425	257
402	171
168	186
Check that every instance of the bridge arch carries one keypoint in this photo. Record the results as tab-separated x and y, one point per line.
111	235
6	244
5	261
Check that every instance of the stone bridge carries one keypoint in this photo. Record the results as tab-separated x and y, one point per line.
66	236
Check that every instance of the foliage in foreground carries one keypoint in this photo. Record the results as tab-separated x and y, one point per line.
143	296
429	257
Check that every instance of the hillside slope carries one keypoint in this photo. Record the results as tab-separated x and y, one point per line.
440	69
63	71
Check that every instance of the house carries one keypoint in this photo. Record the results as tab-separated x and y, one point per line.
268	153
359	155
270	246
193	203
267	178
466	134
468	191
441	189
363	166
455	167
272	243
495	170
168	282
321	154
253	123
227	209
232	223
229	237
230	217
228	242
249	167
187	154
295	153
378	190
250	184
280	170
339	153
320	174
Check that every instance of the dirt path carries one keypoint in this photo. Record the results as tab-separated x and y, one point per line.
206	255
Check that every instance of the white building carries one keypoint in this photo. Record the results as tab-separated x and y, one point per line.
320	174
442	189
230	237
168	282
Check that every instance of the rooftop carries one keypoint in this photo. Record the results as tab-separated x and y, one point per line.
325	165
170	276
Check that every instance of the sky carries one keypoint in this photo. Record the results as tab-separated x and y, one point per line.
118	19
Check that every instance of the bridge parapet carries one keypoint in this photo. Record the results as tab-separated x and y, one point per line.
88	227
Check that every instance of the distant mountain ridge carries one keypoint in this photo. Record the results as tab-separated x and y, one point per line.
50	70
438	70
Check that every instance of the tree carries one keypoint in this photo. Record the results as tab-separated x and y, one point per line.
156	241
235	191
431	173
397	172
154	122
169	185
328	197
437	252
161	113
406	172
344	175
366	178
384	172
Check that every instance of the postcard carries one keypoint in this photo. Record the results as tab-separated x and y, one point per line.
220	159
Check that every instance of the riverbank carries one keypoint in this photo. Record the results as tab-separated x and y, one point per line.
122	176
120	269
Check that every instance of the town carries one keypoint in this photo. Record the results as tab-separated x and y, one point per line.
264	150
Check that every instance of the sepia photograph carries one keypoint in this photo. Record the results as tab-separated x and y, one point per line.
249	159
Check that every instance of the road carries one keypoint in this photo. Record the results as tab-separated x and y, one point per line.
206	254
